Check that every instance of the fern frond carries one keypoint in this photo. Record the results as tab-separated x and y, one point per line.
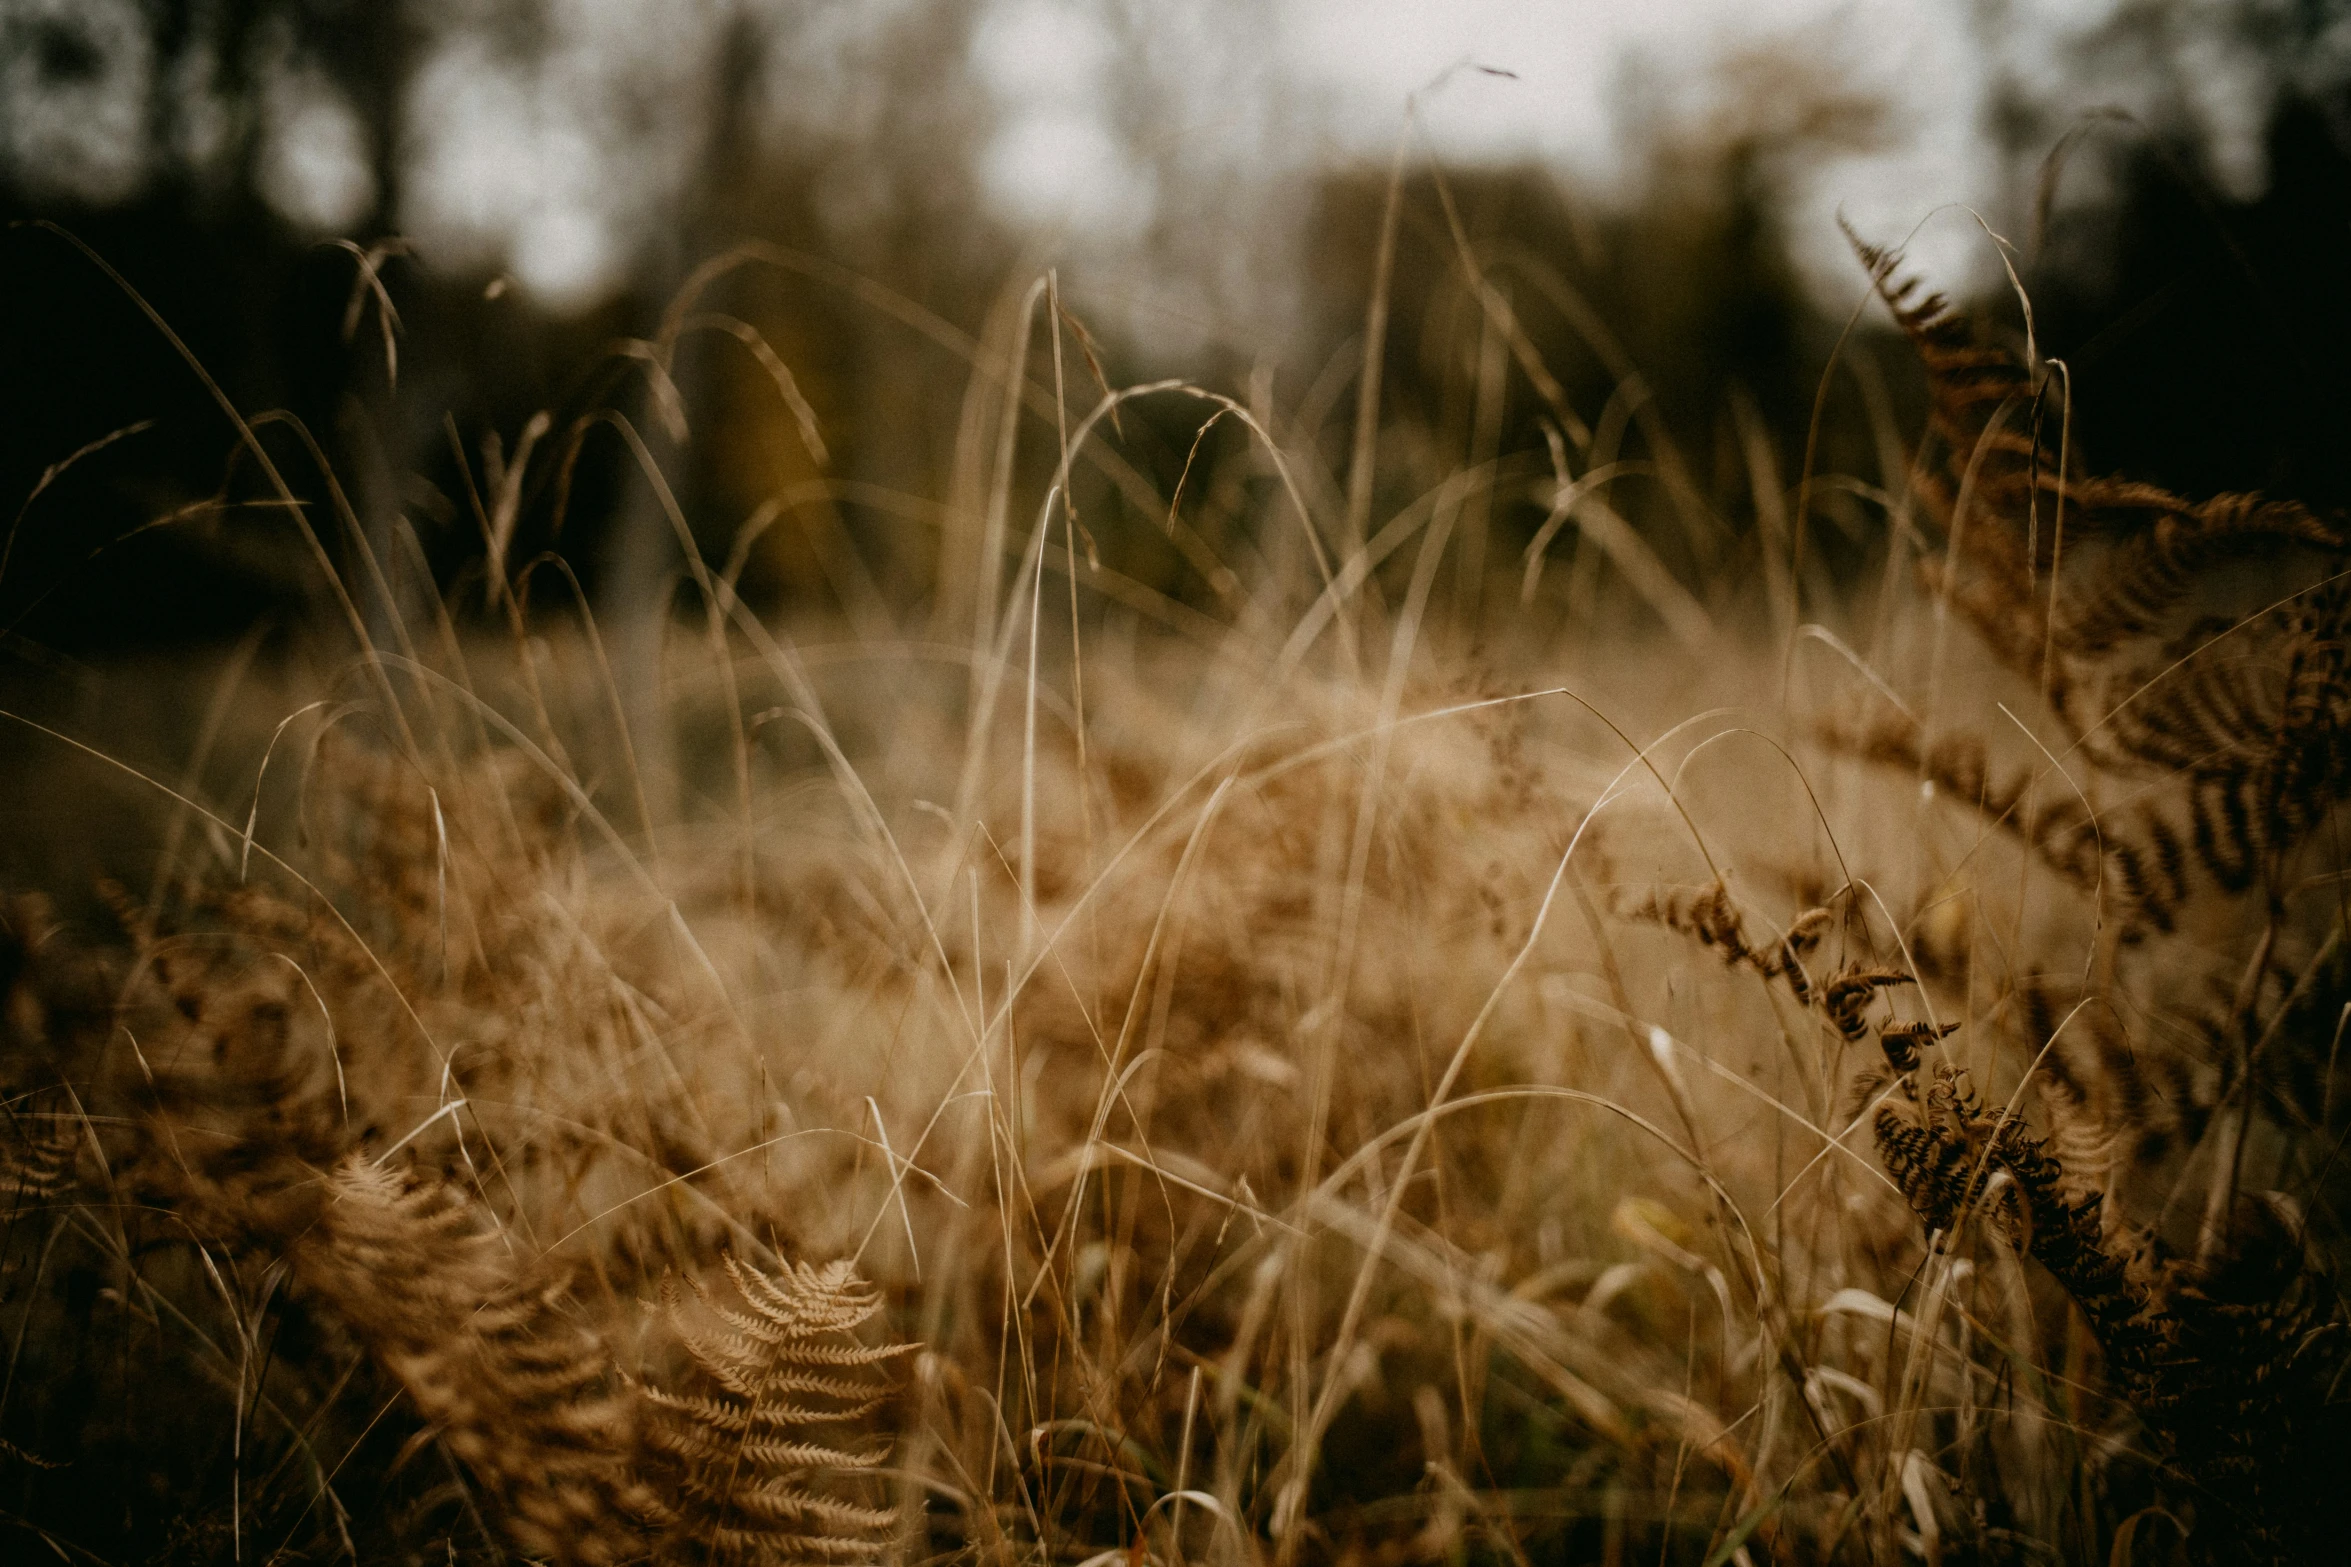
516	1392
2231	1364
728	1415
786	1359
1849	992
1709	917
40	1144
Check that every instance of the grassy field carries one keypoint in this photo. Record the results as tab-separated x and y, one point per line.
1582	1014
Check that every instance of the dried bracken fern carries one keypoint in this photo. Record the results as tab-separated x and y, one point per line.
40	1143
1843	998
52	1001
2243	1386
2100	592
2191	654
752	1464
1953	1157
2230	1366
518	1393
2018	510
1709	916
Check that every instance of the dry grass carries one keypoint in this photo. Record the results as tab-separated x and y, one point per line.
1380	1077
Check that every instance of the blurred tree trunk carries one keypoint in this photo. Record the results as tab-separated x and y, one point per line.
637	598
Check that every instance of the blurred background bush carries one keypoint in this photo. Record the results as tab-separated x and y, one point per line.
417	225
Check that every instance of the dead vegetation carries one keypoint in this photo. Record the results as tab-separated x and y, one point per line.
1274	1080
